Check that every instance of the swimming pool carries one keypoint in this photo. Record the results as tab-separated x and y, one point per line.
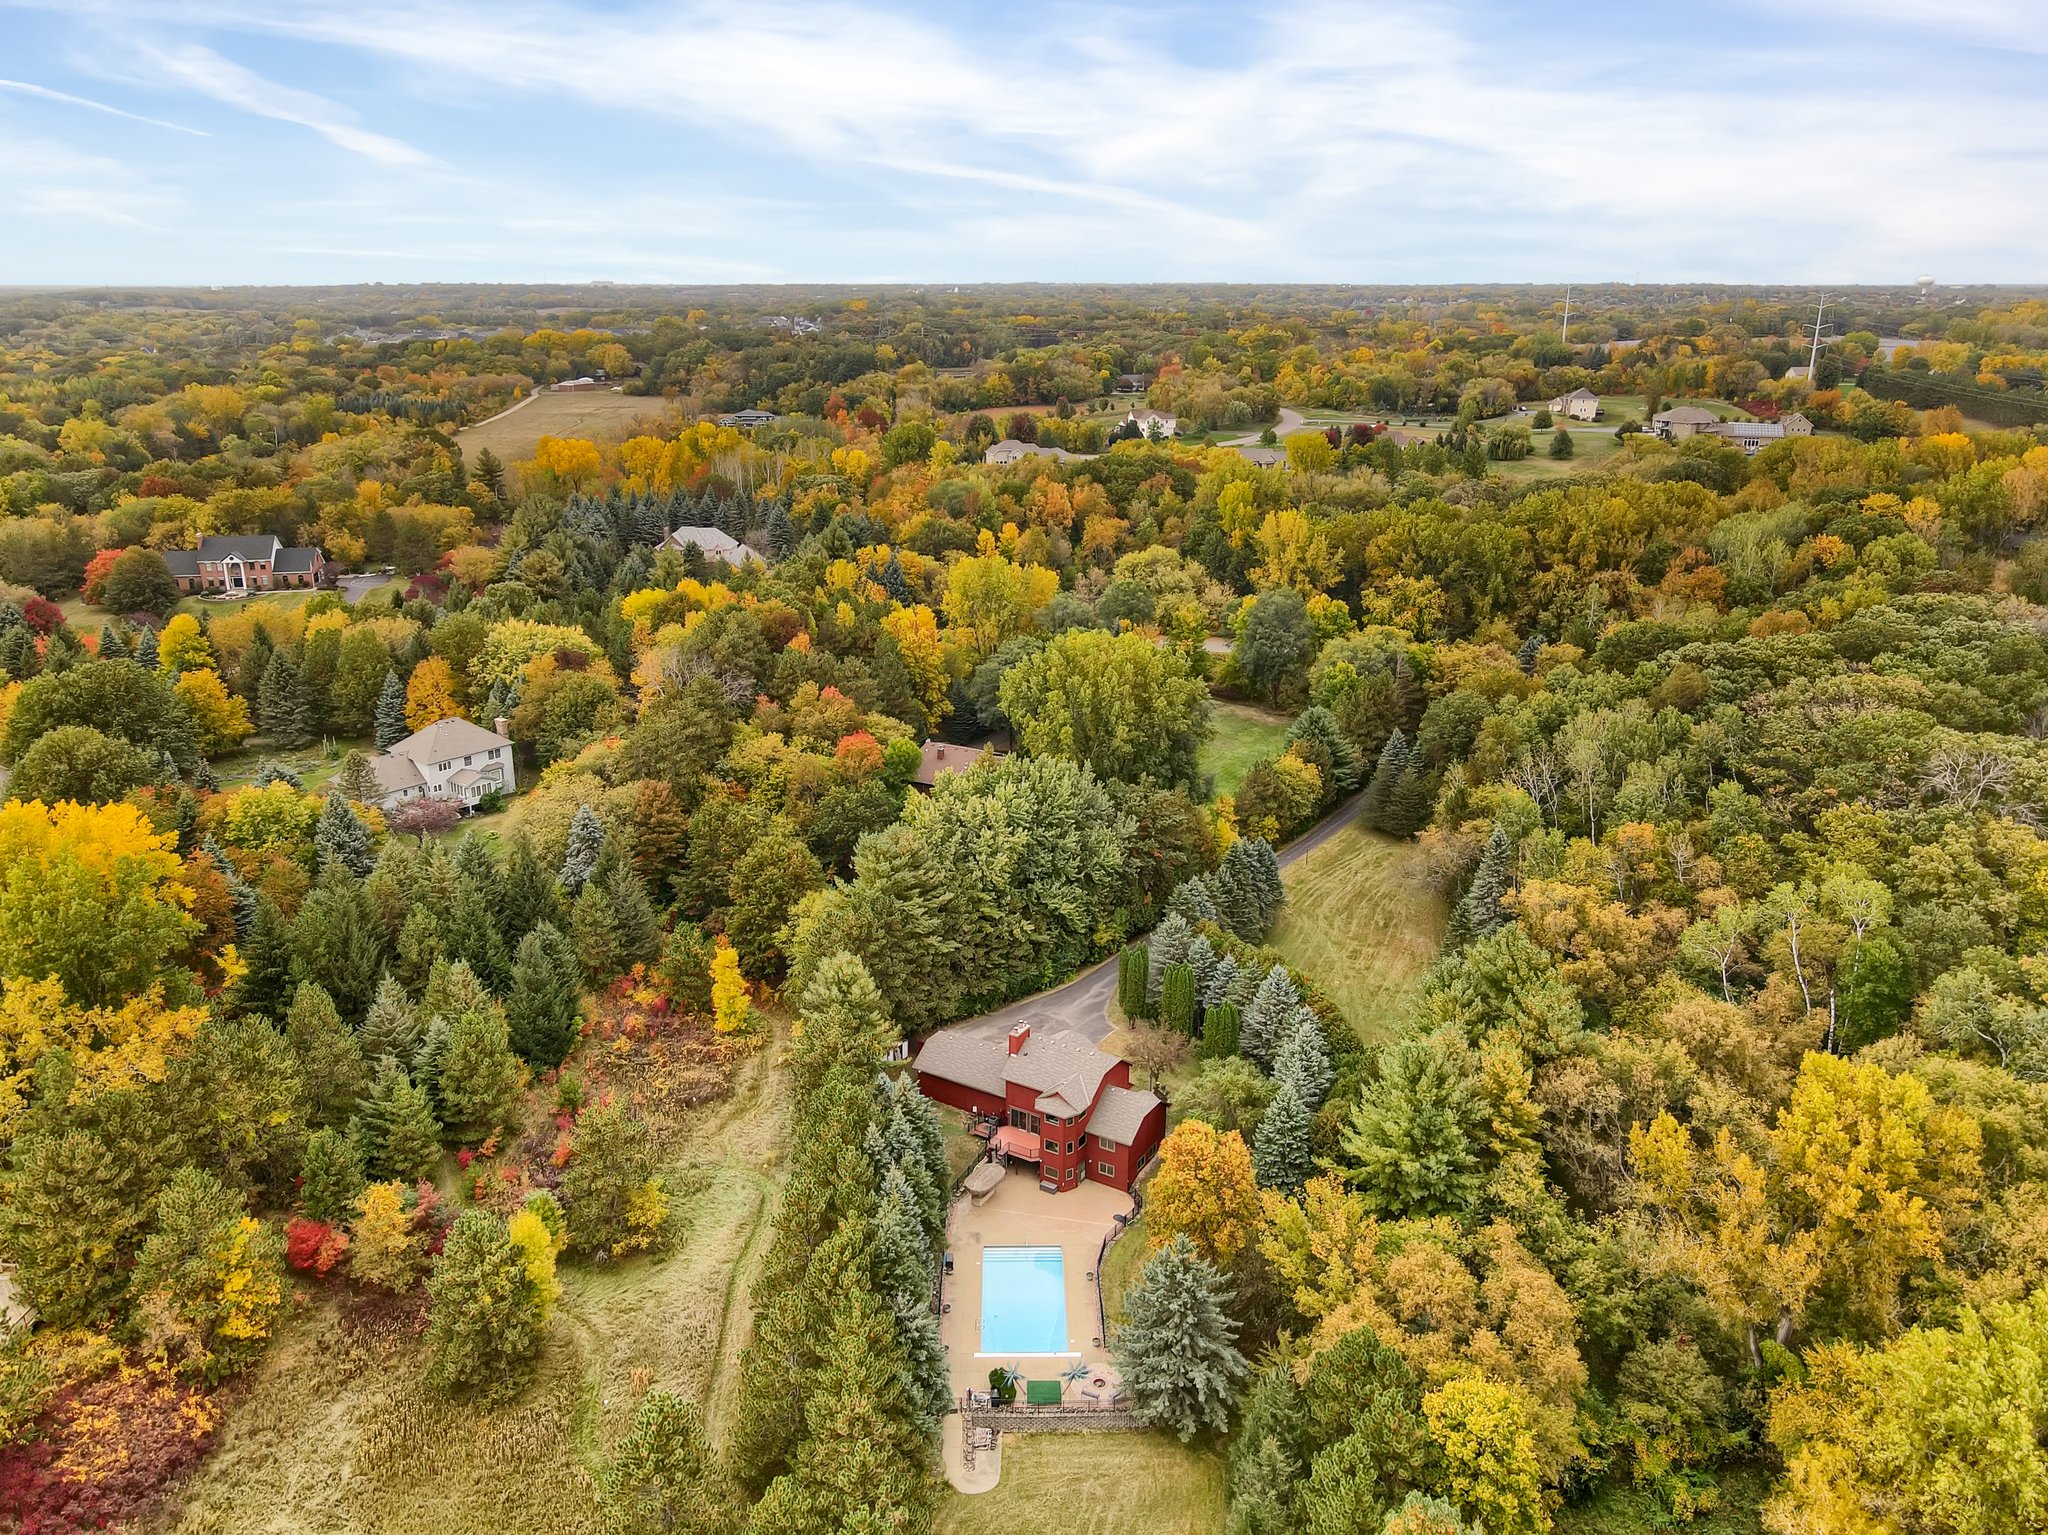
1023	1301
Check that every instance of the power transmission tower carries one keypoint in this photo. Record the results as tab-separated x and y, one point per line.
1813	356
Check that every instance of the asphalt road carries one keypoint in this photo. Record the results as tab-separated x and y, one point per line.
1290	421
1083	1003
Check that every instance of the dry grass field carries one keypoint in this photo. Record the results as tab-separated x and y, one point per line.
1361	925
336	1431
1094	1484
598	415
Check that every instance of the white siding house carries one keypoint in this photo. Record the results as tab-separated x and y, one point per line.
451	759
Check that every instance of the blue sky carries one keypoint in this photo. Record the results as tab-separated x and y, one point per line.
232	141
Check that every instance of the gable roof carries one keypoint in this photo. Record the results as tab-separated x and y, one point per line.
714	543
182	562
1580	393
447	738
395	773
1063	1068
241	546
1121	1114
1686	415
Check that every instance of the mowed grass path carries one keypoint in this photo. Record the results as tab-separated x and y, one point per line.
337	1432
1244	733
1361	924
1094	1484
596	414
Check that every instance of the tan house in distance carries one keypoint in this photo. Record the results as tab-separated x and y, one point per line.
1579	405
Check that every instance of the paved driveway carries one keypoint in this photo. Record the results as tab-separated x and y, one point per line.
1082	1004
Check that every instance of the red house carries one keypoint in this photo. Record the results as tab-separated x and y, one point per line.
1062	1102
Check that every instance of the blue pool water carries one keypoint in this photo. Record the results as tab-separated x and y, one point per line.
1023	1301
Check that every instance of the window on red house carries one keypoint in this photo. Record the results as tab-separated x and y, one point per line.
1107	1170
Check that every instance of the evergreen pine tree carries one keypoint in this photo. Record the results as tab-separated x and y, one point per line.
357	779
391	727
1177	1347
542	1010
340	839
1201	959
337	940
1177	998
1134	981
1409	807
265	987
903	1253
20	659
1281	1154
112	646
281	709
1271	1012
1386	776
1481	907
331	1066
1532	647
782	533
202	776
1262	1491
390	1027
469	932
396	1128
525	895
480	1077
489	1310
584	847
636	926
419	947
1170	941
248	683
1195	900
667	1478
330	1176
1220	1024
1238	900
146	649
918	1140
1222	981
1303	1062
594	933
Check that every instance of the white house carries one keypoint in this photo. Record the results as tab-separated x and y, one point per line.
451	759
1579	405
1153	423
1010	450
713	543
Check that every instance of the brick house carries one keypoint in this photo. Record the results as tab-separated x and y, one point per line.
252	562
1059	1101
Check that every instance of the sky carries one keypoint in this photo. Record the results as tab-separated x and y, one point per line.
275	141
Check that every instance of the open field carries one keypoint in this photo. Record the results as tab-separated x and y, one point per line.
1360	924
1244	734
86	618
1094	1484
336	1431
598	414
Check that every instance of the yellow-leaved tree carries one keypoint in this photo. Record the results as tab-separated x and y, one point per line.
732	1007
432	694
1206	1191
89	898
128	1042
222	719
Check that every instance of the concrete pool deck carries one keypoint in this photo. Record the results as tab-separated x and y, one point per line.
1020	1214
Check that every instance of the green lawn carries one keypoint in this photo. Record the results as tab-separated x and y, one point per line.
1359	923
83	616
315	764
1244	734
1120	1271
1094	1484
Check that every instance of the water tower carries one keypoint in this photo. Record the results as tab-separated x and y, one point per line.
1926	285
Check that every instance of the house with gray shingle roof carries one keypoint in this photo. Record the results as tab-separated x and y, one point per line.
1059	1101
234	564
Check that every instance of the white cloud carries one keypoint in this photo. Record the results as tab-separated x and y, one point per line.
201	69
44	93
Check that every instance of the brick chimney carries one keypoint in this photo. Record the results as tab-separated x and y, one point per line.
1019	1037
502	725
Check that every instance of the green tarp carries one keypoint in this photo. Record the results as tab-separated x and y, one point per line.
1042	1393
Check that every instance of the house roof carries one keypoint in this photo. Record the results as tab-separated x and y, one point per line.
447	738
715	543
395	773
936	757
1009	450
1580	393
1121	1114
295	561
1063	1068
1686	415
245	546
957	1057
1798	416
1265	458
182	562
1748	429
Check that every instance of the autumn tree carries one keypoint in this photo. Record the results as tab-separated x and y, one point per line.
1206	1191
